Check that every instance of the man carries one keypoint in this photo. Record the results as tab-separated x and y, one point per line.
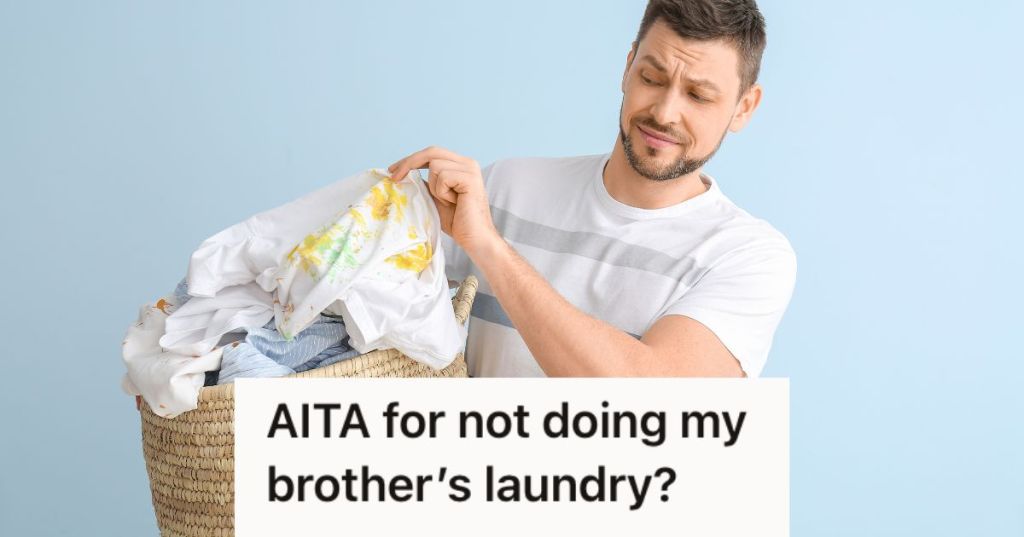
633	262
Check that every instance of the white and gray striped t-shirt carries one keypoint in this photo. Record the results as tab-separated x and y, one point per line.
704	258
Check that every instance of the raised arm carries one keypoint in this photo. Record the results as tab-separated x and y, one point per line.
564	340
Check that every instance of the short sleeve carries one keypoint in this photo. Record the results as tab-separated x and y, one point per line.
742	299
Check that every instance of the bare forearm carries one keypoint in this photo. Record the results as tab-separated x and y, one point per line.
564	340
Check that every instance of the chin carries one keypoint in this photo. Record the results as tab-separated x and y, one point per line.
663	155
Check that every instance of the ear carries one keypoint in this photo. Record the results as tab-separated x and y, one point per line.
629	62
745	108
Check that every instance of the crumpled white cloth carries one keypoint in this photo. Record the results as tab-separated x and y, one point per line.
365	247
169	381
381	266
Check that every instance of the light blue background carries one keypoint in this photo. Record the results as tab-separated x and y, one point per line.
886	149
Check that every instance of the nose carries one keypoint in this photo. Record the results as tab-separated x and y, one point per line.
667	110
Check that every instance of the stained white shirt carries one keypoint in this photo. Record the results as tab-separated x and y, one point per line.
366	248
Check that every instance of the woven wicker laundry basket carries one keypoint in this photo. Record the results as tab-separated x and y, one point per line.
190	459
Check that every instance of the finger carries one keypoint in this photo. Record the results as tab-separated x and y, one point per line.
431	185
446	213
421	158
404	166
437	189
437	199
436	167
397	174
432	182
434	151
451	183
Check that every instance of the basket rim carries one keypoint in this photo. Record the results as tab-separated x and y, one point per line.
462	302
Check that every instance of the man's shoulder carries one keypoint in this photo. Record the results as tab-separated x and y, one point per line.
531	184
532	168
738	222
733	231
746	240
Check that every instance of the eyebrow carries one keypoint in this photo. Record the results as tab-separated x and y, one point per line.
695	81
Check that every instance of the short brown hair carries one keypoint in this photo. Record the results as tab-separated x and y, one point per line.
738	22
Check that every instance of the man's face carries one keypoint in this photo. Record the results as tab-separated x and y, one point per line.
680	96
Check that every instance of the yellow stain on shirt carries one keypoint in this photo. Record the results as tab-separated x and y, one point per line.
380	175
328	245
338	246
415	259
357	217
306	253
382	198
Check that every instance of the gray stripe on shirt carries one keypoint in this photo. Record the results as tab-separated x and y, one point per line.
488	308
591	245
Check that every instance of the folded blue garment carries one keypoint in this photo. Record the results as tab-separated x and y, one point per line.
330	356
263	352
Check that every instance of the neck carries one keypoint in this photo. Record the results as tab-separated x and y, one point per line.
629	187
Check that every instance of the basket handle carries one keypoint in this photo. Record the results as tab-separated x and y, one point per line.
463	300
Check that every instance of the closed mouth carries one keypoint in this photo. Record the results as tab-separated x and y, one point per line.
659	136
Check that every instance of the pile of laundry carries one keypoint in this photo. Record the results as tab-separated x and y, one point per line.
353	267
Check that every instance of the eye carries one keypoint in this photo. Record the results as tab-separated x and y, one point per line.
646	80
698	97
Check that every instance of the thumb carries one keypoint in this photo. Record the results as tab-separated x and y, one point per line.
446	212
